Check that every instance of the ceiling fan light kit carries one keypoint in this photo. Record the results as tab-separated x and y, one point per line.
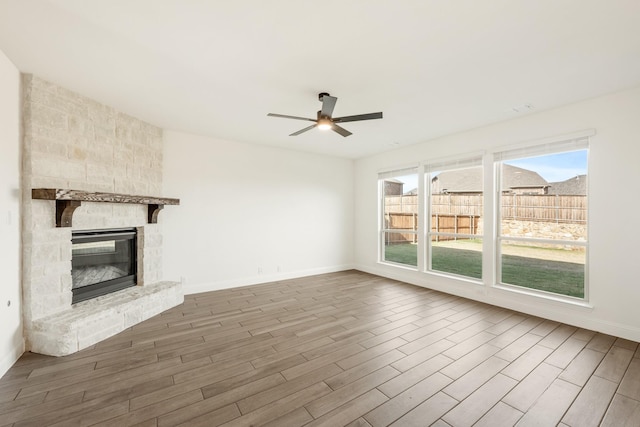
324	124
325	121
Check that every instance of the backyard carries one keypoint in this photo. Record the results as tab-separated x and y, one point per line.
553	270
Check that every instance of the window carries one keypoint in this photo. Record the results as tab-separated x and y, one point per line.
399	219
542	218
455	208
515	218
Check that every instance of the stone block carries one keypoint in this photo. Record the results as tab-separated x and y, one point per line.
33	130
66	282
100	113
153	240
76	103
48	147
36	83
58	100
30	272
77	153
133	316
99	170
142	154
48	182
45	116
123	185
126	121
47	304
99	153
50	235
58	168
45	253
122	157
52	345
45	285
86	186
89	222
104	323
150	129
57	269
155	188
142	188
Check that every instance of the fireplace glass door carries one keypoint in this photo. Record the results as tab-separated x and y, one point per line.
102	261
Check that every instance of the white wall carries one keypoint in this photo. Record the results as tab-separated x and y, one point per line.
11	338
614	236
250	214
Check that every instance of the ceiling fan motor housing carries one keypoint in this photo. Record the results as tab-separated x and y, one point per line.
321	95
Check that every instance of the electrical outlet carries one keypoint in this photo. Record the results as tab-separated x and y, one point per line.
259	270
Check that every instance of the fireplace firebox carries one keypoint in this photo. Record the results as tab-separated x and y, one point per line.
102	261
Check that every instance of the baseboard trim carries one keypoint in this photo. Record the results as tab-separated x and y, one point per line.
11	357
256	280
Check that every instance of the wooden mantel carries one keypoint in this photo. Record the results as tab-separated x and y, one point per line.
67	201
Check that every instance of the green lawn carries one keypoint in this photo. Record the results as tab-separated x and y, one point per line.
564	278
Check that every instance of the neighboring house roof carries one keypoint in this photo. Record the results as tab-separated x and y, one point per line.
470	180
572	186
458	181
515	177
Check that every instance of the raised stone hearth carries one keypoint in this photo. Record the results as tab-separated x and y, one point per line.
71	141
91	321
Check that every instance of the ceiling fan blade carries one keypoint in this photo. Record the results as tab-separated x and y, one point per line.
284	116
358	117
303	130
328	104
342	131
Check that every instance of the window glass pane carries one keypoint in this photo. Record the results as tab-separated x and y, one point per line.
550	268
543	208
462	257
400	219
456	207
399	248
545	197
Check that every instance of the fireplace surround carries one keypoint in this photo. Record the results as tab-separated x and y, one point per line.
70	141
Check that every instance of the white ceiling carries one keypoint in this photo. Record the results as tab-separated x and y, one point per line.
433	67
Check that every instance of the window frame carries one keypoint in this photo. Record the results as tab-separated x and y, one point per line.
382	230
559	146
442	165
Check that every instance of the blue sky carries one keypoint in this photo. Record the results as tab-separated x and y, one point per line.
552	167
555	167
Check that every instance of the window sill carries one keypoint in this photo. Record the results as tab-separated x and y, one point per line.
545	295
397	265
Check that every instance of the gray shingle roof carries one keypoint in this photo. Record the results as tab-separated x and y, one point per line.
572	186
470	180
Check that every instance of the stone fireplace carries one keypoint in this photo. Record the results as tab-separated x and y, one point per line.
73	142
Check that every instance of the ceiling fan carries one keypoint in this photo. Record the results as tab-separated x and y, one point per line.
324	121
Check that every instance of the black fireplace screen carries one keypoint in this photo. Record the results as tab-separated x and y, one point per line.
102	261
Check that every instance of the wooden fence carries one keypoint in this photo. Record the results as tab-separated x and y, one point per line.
544	208
461	224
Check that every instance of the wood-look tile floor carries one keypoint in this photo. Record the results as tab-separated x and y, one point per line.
337	349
